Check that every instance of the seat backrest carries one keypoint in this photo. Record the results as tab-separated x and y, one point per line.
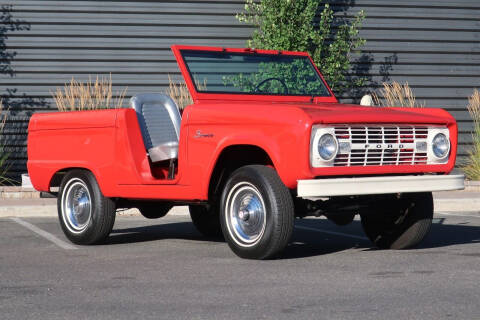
159	121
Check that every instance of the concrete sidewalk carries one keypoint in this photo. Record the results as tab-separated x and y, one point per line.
459	201
451	201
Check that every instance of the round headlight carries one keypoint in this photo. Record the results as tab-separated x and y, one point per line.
327	147
440	145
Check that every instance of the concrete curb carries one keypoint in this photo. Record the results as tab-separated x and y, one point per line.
18	193
457	205
472	185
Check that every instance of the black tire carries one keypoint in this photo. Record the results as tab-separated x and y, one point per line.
154	210
399	223
95	216
271	224
206	219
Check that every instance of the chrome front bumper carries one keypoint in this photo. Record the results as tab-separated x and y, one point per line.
319	188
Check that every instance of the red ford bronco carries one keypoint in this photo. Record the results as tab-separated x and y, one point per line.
264	142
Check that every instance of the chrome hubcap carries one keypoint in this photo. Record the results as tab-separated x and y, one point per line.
76	206
245	214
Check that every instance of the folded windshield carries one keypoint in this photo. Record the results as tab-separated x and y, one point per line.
251	73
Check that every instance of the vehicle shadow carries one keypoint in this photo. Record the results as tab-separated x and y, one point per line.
304	243
308	243
176	230
443	235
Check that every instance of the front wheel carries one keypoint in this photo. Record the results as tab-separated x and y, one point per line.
399	222
257	213
206	219
85	215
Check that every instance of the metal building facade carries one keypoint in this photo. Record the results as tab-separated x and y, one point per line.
434	45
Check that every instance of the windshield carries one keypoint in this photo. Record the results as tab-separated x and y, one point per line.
250	73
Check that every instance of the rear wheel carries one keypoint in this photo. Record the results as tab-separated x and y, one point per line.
85	215
257	213
400	222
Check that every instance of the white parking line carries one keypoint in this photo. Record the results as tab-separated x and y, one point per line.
332	232
50	237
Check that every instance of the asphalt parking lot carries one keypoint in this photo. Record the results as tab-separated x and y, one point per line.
164	269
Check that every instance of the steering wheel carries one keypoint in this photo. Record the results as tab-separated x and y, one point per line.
257	88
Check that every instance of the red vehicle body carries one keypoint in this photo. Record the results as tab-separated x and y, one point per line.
217	131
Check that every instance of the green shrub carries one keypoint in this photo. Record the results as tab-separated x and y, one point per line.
297	77
290	25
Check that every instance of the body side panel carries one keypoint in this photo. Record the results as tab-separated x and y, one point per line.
115	153
50	151
214	127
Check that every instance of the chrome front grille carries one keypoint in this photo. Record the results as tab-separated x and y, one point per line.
377	145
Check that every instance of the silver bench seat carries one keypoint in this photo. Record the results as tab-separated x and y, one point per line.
159	121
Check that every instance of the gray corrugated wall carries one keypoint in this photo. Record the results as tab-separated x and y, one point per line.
434	45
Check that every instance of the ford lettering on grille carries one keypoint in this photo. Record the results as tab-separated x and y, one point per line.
376	145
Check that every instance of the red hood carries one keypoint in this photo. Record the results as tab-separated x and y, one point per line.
331	113
349	113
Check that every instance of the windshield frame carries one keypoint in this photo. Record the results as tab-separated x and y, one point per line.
209	95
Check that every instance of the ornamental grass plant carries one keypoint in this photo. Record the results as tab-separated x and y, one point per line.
396	95
4	166
89	95
179	92
472	164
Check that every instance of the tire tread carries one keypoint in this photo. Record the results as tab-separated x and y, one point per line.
104	210
281	201
410	233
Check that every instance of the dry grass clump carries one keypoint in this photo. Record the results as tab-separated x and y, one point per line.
396	95
472	166
4	167
3	116
178	91
89	95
